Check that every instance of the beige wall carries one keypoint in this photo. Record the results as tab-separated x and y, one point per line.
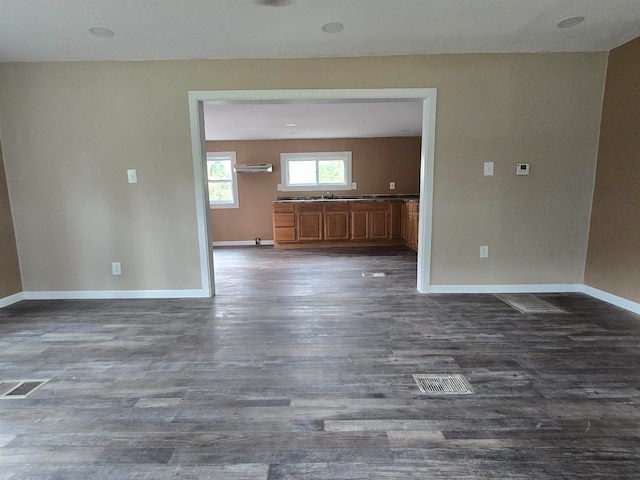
10	281
613	261
375	163
70	131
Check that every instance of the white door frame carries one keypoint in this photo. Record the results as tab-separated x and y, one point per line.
196	101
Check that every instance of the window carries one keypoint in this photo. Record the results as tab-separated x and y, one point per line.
315	171
222	179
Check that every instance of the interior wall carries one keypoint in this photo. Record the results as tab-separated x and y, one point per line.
10	281
613	260
375	162
71	130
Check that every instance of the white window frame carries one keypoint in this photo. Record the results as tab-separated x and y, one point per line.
285	158
234	179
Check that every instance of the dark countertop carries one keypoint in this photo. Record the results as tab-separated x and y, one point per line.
414	197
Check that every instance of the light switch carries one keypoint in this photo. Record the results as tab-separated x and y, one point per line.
488	169
484	251
132	175
522	169
392	185
116	268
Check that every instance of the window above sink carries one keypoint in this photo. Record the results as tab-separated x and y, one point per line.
315	171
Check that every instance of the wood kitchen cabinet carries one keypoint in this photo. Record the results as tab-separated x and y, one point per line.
397	219
309	221
284	222
411	218
345	223
336	221
370	221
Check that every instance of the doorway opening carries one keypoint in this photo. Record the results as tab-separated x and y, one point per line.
196	110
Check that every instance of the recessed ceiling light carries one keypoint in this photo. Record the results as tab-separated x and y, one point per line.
290	125
101	32
570	22
274	3
333	27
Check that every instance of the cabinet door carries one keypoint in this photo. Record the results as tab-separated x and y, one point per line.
397	209
309	225
378	225
412	228
284	234
414	232
411	224
336	225
405	222
359	226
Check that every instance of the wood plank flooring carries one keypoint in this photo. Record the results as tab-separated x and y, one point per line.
300	368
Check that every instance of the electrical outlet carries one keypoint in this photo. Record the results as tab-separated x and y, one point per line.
392	185
354	186
115	268
484	251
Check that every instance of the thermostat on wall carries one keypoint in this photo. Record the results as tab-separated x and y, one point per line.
522	169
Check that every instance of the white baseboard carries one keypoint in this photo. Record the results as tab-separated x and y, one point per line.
11	299
612	299
113	294
541	288
242	243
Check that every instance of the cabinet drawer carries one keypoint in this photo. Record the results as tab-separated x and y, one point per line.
284	220
284	234
413	207
336	207
370	206
309	207
283	207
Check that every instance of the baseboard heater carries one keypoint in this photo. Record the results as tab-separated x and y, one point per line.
254	168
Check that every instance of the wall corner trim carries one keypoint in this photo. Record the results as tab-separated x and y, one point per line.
11	299
612	299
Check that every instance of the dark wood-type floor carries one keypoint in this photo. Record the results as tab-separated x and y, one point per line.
301	368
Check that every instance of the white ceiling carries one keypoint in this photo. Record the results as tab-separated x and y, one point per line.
46	30
350	119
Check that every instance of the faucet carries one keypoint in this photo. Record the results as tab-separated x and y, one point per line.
327	195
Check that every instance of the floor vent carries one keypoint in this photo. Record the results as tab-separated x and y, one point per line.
374	274
19	388
527	303
447	384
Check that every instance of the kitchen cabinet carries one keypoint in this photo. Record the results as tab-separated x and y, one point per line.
336	221
354	222
309	221
411	218
370	221
397	219
284	222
